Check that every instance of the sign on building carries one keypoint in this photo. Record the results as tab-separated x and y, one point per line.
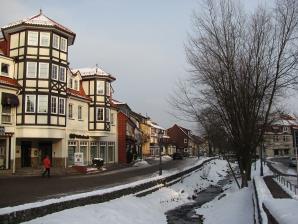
78	159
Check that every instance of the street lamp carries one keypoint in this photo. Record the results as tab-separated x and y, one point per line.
160	137
295	148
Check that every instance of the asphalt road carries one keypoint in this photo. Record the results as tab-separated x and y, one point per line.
20	190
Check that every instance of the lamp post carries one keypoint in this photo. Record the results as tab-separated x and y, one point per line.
160	136
295	148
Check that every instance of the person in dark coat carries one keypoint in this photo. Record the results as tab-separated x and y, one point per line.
47	165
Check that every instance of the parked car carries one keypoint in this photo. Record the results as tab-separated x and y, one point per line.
293	162
177	155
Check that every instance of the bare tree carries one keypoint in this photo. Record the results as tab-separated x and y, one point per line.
241	64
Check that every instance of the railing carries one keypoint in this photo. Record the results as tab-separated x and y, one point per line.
282	180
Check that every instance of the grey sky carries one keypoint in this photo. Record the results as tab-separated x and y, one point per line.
140	42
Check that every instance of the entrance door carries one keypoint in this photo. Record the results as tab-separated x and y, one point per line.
45	149
26	154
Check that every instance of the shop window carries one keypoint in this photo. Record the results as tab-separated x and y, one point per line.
111	152
4	69
102	151
276	153
6	115
93	150
72	148
286	151
84	150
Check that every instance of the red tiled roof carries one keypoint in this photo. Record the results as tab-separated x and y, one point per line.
80	94
9	82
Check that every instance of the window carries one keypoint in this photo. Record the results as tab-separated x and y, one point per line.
6	114
99	88
185	140
76	85
43	70
99	114
55	72
275	138
80	112
56	41
31	69
108	90
42	104
44	39
111	152
108	115
63	44
112	119
70	107
32	38
285	138
61	106
285	129
62	74
70	83
54	105
30	103
4	69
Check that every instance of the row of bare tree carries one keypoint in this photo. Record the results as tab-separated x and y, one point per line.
241	64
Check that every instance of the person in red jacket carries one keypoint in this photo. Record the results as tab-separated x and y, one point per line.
47	165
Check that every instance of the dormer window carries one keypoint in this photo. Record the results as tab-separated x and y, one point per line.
44	39
76	85
56	41
4	69
70	83
33	38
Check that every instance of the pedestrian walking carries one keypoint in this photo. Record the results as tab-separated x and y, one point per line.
47	165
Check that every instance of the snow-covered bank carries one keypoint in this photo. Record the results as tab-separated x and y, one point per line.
148	209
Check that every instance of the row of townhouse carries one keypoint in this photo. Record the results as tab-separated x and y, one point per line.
49	109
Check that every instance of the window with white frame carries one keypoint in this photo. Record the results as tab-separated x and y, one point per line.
61	107
99	114
54	72
108	115
108	89
56	41
30	103
4	69
33	38
76	85
99	88
62	72
80	112
42	104
63	44
6	114
54	101
70	83
31	69
275	138
44	40
112	119
43	70
70	109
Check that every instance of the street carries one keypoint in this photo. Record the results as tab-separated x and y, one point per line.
20	190
282	164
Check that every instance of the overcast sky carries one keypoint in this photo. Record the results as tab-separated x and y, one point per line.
140	42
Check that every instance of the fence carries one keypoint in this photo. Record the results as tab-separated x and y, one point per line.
282	180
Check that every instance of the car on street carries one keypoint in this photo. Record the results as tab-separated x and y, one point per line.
177	155
293	162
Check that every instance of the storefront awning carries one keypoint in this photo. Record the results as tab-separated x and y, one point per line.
9	99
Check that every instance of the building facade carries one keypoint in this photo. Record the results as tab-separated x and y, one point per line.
46	108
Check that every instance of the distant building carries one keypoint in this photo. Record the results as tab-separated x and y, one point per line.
278	137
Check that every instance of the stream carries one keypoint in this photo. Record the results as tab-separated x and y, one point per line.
186	214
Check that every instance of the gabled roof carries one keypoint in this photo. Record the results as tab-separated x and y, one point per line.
94	71
40	20
9	82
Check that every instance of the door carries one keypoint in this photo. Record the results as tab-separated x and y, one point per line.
26	154
45	149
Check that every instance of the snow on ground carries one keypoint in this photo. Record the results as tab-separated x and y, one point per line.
283	210
284	169
148	209
141	163
234	208
164	158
